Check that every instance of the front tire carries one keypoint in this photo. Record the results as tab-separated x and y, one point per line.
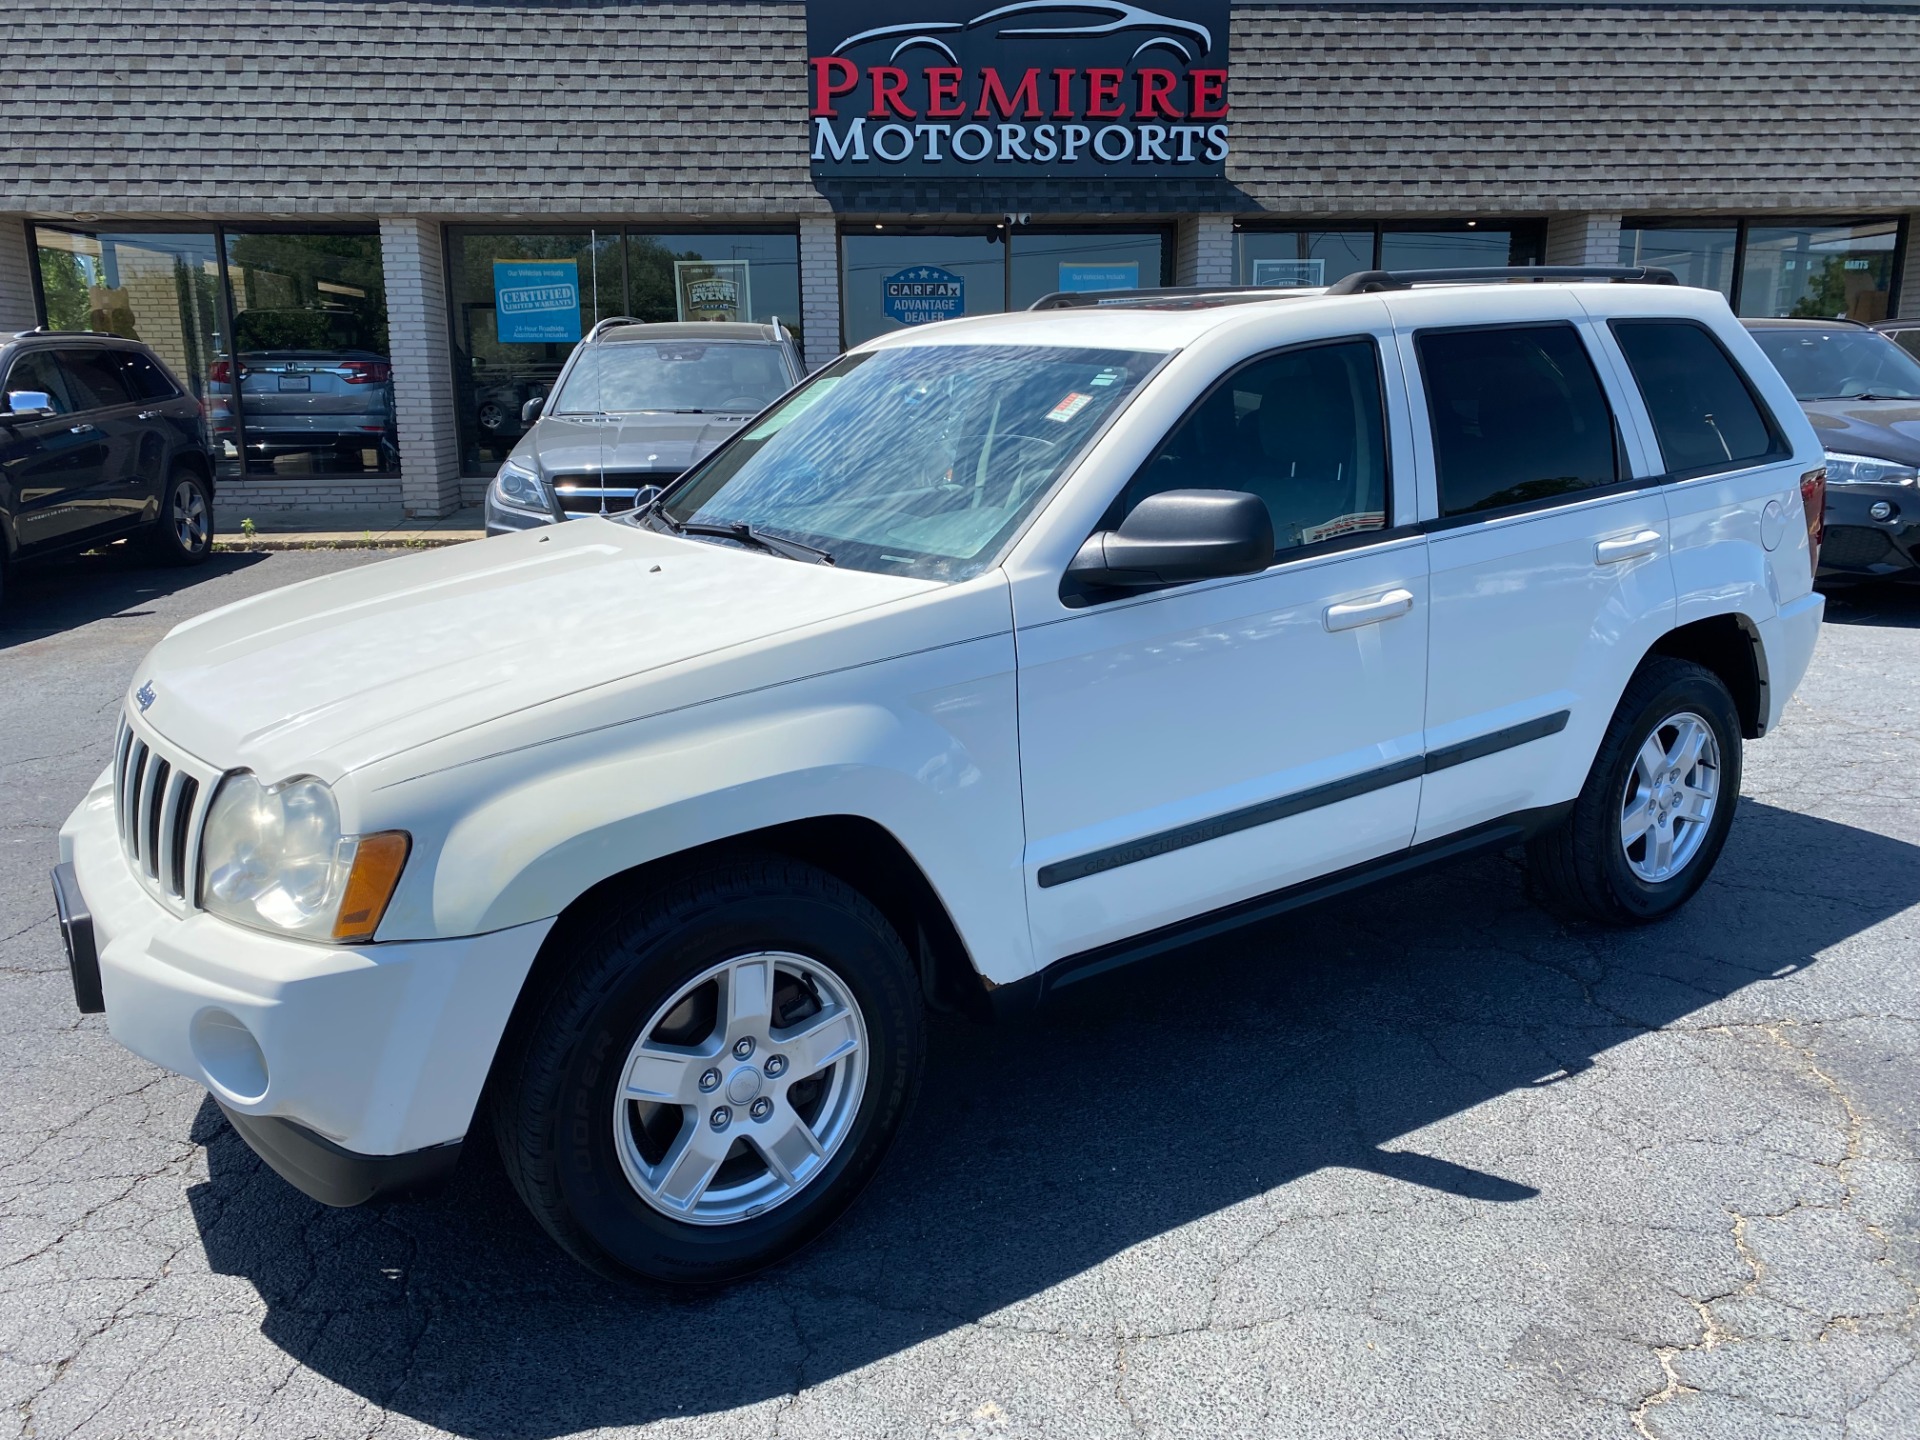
713	1075
183	533
1654	814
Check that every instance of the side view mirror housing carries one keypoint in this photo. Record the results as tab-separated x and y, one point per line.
1179	536
530	411
28	404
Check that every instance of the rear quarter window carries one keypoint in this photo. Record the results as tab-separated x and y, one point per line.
1705	415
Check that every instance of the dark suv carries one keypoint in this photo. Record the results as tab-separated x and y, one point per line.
98	439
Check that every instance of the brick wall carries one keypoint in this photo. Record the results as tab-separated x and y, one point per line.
412	258
1203	250
820	290
1583	240
238	498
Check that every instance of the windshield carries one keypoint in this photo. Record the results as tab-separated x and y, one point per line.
1841	364
622	376
914	461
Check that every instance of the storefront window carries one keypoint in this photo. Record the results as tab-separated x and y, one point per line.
1044	262
1819	271
1301	257
1702	256
892	279
1815	270
314	378
161	289
1305	256
315	375
522	299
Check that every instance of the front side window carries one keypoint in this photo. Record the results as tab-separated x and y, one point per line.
1842	363
918	461
93	379
144	379
1518	416
36	372
1703	414
1303	430
622	377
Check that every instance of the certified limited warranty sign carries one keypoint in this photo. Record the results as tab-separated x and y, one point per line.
1096	87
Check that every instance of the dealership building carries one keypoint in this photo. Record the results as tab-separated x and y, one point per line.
419	207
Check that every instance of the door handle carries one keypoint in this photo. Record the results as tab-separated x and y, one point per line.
1352	614
1627	547
80	429
149	415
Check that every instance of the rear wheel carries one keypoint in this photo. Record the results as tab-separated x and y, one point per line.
714	1076
183	533
1651	820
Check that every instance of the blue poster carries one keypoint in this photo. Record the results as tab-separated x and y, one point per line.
923	293
1079	278
536	301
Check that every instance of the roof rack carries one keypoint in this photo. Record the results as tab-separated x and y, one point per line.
610	322
1185	297
1367	282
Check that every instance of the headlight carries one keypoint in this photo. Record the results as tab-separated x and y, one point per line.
273	857
1844	469
517	488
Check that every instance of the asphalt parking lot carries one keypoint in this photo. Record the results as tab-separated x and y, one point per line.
1423	1164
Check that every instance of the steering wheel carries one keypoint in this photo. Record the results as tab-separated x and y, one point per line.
742	402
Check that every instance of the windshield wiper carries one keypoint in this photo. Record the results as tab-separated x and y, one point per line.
1874	395
737	530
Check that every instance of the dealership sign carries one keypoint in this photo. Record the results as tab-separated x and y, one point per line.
1036	88
921	294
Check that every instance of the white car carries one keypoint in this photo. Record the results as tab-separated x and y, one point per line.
998	653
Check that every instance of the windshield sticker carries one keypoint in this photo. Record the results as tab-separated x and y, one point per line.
1106	377
1071	406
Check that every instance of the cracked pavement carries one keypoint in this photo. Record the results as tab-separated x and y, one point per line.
1424	1163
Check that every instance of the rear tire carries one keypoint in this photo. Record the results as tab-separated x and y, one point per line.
761	1131
183	533
1654	814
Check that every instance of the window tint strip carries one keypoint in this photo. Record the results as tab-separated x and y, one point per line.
1267	811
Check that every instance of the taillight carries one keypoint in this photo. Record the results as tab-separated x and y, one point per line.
1813	496
221	373
366	372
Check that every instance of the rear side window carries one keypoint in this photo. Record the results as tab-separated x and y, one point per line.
1704	414
1518	416
146	380
1302	429
93	378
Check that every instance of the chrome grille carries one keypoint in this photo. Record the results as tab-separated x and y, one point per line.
160	803
607	492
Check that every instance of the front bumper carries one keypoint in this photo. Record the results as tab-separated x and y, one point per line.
379	1051
1856	546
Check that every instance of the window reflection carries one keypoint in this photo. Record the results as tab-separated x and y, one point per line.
1701	256
1819	272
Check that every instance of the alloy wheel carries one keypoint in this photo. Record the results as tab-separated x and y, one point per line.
1670	796
741	1088
188	512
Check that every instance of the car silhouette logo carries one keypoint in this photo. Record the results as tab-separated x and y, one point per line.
145	696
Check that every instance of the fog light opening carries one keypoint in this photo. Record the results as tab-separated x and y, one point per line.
1881	510
229	1055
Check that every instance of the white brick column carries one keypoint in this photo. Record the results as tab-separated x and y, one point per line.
1910	272
1203	250
411	256
820	289
1583	240
16	277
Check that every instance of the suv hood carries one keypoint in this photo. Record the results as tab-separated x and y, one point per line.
341	671
568	445
1882	429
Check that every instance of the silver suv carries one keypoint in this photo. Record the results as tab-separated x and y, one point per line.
634	406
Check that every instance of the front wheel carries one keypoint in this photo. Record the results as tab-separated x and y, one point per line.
1652	818
712	1078
183	533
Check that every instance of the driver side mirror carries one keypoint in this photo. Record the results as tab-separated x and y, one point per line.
530	411
28	404
1179	536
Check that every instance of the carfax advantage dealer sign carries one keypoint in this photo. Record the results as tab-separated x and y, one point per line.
1035	88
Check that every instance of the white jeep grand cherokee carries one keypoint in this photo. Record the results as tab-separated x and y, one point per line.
996	654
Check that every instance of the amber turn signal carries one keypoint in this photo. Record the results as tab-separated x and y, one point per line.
377	863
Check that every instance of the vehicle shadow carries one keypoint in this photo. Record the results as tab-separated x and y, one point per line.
1143	1102
1880	606
117	581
